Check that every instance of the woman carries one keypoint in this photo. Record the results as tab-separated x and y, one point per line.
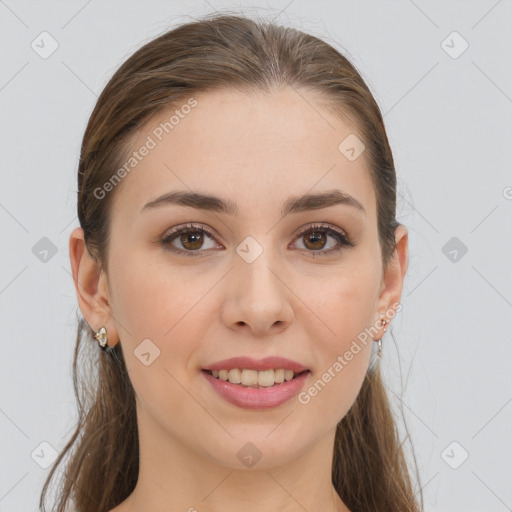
238	262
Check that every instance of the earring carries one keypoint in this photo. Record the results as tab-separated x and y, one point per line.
383	323
102	337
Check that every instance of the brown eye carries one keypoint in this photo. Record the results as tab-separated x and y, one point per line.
192	240
315	240
189	240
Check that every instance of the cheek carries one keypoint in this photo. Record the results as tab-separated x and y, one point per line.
345	307
172	309
157	301
163	306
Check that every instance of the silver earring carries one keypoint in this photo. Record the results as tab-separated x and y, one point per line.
102	337
383	323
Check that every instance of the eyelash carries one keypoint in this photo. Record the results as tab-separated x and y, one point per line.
343	240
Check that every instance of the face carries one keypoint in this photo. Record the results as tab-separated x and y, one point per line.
252	283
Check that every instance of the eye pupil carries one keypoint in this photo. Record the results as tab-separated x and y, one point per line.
315	237
197	239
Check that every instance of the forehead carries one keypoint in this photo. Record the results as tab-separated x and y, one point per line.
256	149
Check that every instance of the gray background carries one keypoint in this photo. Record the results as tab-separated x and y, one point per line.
449	122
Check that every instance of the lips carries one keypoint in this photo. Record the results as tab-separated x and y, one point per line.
268	363
257	398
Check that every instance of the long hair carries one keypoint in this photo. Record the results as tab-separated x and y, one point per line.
369	468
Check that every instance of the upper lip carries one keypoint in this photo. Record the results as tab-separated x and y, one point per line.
268	363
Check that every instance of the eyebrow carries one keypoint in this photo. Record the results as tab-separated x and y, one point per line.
294	204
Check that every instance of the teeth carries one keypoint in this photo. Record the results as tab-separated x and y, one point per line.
278	376
266	378
254	378
235	376
249	377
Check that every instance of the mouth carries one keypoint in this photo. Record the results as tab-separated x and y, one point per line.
257	389
254	378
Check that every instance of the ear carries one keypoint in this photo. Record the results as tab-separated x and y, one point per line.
393	279
91	287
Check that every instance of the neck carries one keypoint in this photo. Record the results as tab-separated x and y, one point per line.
173	477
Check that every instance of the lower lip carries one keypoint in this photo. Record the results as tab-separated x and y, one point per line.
257	398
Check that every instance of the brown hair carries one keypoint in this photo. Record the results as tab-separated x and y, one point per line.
369	469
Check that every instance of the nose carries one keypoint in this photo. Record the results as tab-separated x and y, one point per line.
258	297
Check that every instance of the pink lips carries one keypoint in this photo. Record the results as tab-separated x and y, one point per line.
268	363
257	398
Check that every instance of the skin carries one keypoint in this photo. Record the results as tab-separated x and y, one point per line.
257	151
